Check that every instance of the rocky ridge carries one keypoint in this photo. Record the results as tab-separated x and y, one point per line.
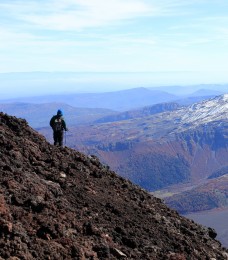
57	203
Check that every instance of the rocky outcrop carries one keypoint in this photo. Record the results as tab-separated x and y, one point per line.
56	203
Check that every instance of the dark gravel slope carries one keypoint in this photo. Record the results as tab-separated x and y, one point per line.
56	203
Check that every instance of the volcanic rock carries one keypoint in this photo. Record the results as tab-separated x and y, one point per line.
57	203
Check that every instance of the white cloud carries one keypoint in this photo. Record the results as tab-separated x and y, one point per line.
77	14
82	14
101	35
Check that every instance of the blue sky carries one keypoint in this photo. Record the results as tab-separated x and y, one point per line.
187	37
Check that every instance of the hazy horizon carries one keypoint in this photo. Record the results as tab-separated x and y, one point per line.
13	85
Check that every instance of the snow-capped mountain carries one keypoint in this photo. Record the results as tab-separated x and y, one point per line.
214	109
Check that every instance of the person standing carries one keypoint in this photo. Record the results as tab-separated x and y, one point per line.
58	125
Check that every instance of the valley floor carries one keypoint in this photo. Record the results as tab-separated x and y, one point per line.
216	219
176	189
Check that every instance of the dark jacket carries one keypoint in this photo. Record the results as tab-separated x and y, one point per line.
55	120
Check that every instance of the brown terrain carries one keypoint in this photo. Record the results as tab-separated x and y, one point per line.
57	203
212	194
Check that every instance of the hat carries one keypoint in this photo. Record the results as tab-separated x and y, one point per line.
59	113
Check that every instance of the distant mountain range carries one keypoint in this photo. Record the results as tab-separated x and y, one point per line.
39	115
85	108
206	92
87	82
117	100
196	90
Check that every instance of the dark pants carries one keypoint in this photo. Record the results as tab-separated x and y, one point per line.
58	138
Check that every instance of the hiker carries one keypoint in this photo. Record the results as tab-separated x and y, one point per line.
58	125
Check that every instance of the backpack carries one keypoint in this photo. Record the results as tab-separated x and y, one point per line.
58	126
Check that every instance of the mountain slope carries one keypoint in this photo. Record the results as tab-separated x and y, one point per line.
207	196
57	203
219	173
214	109
143	112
